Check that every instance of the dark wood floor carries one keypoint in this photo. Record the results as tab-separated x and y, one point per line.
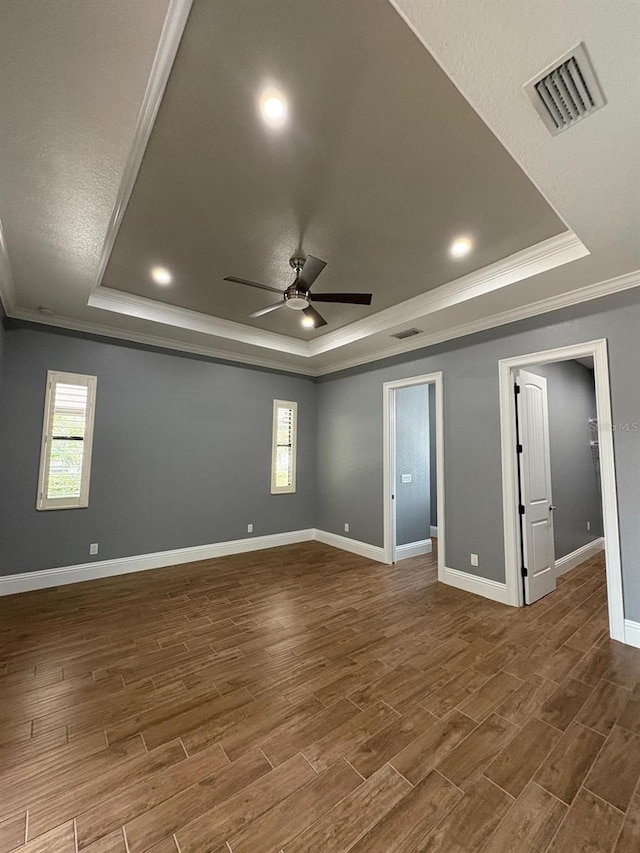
304	699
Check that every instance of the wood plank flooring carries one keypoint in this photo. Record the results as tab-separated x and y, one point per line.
305	699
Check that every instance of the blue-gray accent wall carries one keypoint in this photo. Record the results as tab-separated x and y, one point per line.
181	452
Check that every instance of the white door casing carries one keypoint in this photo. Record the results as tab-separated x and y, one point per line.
535	486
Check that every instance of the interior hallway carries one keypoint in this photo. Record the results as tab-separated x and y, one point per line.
306	699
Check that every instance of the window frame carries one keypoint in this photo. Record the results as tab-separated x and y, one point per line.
291	487
54	377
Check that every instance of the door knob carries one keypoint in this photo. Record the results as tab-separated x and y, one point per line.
552	507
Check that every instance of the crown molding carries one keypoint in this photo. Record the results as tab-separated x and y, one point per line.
143	308
31	316
172	30
544	256
533	309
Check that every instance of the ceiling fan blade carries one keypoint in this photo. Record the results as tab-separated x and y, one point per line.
268	309
310	272
252	283
318	319
352	298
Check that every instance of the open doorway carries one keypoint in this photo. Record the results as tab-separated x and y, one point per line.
413	468
533	539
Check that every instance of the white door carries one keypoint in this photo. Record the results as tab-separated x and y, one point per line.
536	507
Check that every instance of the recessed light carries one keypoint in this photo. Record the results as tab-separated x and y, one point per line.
273	107
161	275
308	323
460	247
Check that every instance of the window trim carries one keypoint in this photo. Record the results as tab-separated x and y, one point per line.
291	488
53	378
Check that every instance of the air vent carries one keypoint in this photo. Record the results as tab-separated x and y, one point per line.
567	91
406	333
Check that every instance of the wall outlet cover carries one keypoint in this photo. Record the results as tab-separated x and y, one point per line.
474	559
406	478
93	548
346	528
249	528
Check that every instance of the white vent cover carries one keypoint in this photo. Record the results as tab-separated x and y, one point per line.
406	333
567	91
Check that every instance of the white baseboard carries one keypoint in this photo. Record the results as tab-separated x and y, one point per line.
494	590
433	532
372	552
413	549
632	633
570	561
124	565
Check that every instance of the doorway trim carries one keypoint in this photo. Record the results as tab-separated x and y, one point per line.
388	460
506	369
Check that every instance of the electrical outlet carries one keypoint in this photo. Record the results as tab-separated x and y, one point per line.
93	548
249	528
588	525
346	528
474	559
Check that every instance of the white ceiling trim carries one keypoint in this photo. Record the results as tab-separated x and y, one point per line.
544	256
543	306
533	309
7	287
195	321
156	341
168	44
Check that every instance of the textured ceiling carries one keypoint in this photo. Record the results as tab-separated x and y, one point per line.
381	165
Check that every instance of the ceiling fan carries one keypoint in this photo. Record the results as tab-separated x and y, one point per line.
298	295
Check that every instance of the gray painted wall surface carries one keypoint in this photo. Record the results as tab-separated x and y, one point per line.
350	433
413	511
433	462
181	454
574	480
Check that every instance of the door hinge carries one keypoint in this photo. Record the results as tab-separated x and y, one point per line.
518	448
516	388
525	572
521	509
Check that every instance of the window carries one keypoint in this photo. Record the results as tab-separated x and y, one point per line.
67	433
283	455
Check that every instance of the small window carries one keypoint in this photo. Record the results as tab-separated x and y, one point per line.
283	457
67	433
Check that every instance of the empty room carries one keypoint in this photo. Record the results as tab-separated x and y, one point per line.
319	426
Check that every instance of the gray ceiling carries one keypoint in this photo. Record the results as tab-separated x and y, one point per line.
382	164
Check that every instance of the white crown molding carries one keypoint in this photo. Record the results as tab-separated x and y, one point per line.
7	287
172	30
84	326
532	309
143	308
544	256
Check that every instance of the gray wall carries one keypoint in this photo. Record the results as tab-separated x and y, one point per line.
574	478
433	461
413	511
350	433
182	452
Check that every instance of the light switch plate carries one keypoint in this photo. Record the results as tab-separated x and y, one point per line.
406	478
